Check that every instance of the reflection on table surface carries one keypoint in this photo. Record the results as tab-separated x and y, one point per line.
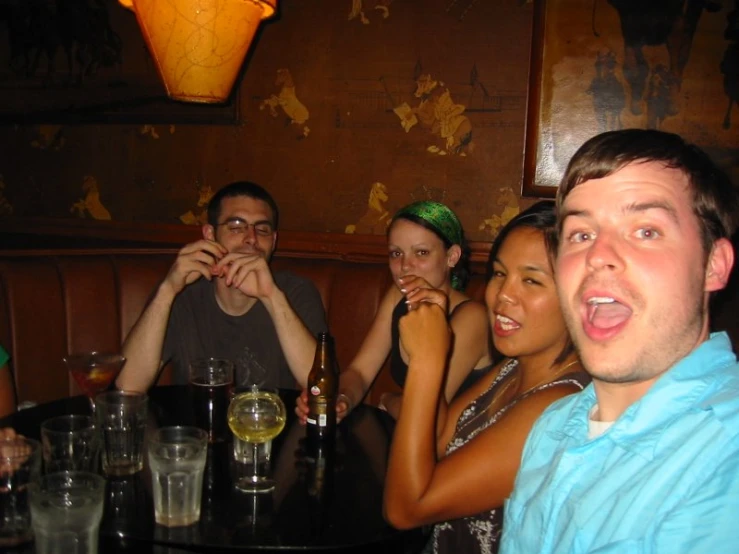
309	510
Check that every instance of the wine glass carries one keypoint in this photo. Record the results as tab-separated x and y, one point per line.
94	372
256	417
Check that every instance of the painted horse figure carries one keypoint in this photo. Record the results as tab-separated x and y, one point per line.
287	100
668	23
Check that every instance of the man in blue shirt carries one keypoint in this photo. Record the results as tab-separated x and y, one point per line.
646	459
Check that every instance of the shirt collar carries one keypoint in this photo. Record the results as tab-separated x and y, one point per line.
682	387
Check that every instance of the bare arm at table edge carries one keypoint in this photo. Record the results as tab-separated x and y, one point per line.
355	381
143	346
297	342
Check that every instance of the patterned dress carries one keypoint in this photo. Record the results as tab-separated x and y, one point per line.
481	533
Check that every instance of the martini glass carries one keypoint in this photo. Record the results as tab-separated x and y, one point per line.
94	372
256	416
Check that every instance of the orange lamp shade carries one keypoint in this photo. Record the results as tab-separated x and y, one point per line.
199	45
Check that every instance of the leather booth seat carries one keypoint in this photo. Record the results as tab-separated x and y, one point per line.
57	302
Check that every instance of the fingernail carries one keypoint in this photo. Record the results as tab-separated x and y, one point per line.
403	291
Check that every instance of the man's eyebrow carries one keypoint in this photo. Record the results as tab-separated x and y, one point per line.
633	207
570	212
236	219
638	207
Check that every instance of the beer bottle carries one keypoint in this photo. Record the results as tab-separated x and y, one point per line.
323	385
320	475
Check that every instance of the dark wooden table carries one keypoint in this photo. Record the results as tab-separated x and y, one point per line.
344	515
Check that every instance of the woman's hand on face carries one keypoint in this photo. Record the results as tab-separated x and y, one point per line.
425	330
417	290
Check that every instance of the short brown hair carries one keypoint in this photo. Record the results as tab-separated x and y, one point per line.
241	188
715	201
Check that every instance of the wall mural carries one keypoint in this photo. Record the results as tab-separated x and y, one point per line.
509	200
90	205
287	100
402	101
49	137
439	115
199	214
376	219
381	6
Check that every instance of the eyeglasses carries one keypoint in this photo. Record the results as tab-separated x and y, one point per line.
239	227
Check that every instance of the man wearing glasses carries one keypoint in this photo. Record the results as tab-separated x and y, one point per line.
220	299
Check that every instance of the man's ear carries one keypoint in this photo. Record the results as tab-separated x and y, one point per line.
720	263
453	255
209	232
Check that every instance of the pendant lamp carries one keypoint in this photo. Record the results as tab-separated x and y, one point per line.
199	45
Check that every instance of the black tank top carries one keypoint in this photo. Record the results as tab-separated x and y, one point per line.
399	369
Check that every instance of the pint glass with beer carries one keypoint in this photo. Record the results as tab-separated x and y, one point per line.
211	386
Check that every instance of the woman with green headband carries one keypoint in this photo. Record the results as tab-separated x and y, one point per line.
428	259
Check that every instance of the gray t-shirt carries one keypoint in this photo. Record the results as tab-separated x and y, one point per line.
198	328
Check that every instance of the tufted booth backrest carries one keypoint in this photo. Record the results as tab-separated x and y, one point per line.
54	303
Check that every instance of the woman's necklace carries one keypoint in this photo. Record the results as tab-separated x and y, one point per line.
548	378
509	379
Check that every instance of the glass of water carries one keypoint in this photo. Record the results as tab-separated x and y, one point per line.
121	419
66	510
177	457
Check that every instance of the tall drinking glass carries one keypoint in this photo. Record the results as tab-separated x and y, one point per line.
256	417
211	385
94	372
177	457
121	419
66	510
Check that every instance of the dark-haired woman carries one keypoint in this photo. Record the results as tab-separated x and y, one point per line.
453	464
427	252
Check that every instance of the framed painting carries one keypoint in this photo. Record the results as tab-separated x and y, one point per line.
86	62
601	65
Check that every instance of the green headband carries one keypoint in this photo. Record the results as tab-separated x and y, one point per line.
443	220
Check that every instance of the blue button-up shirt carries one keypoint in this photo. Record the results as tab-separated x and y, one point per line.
664	478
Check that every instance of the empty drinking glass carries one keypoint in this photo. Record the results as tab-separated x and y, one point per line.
70	443
121	418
